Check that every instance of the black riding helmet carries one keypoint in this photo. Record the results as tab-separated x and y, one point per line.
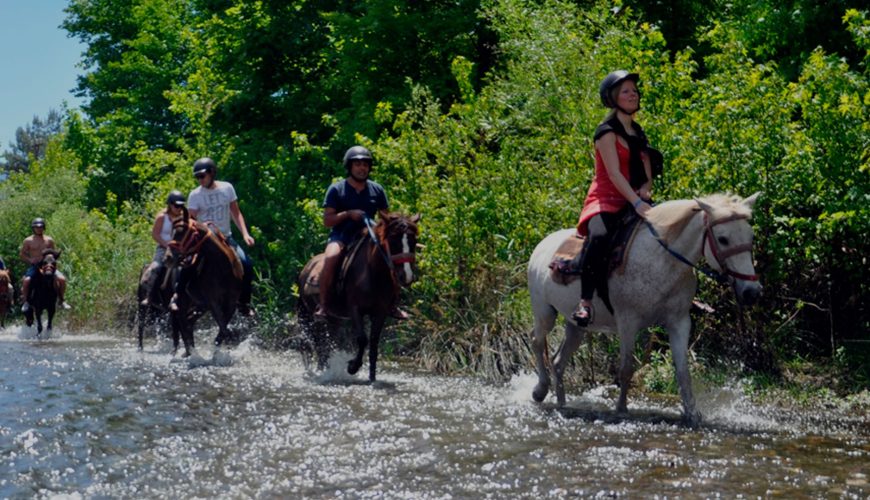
176	199
357	153
205	164
38	222
612	81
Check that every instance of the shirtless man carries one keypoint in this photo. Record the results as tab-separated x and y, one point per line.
31	253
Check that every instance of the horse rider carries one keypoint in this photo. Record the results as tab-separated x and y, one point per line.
216	202
31	253
623	178
347	204
161	232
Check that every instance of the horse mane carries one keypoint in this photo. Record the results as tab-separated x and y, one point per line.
389	220
671	217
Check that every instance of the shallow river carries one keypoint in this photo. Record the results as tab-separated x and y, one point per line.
89	416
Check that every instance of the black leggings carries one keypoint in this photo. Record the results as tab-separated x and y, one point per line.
593	258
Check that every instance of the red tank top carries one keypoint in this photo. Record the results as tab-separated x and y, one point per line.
603	195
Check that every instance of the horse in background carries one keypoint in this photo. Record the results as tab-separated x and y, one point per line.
150	315
6	295
215	279
43	291
369	283
656	287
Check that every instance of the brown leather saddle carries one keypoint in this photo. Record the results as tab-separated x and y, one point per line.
563	272
315	267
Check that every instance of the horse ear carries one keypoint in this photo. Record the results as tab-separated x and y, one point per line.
705	207
384	215
416	218
750	202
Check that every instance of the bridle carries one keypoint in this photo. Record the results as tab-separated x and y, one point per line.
190	243
391	259
721	255
718	254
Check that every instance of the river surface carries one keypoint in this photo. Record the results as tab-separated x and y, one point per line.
87	416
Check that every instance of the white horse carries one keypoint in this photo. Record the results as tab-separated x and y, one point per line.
656	287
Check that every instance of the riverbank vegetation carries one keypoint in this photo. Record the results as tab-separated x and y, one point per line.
480	115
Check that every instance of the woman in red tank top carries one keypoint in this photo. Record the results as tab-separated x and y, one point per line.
623	177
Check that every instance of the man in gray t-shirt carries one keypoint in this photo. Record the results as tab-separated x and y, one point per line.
216	202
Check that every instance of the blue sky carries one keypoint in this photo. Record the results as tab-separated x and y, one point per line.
39	63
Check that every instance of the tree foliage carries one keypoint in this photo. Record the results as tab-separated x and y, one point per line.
480	116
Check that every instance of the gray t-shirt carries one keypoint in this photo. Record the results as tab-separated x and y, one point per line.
213	205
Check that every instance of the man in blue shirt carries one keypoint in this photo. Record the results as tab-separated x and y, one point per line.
348	202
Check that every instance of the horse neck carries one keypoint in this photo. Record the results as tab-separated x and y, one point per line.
689	243
372	267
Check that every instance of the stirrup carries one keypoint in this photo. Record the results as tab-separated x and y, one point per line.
25	307
173	303
582	315
64	305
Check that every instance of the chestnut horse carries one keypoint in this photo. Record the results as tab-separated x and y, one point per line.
214	283
370	288
43	292
656	287
5	295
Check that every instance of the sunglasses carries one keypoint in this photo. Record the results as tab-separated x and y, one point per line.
200	175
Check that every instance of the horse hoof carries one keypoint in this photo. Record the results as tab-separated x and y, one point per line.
692	420
352	367
540	392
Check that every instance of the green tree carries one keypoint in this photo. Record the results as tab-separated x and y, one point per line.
31	142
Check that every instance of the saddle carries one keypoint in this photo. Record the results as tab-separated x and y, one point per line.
314	268
564	273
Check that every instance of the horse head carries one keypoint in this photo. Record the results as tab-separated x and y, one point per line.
48	265
398	234
5	280
727	244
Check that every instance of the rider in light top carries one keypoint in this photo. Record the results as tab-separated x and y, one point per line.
348	202
161	232
31	253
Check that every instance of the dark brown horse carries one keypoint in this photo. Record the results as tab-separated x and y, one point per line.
153	314
43	291
5	295
370	286
213	275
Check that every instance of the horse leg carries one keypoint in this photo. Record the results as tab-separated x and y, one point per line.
38	323
573	338
678	332
544	322
359	333
141	318
626	363
50	318
377	325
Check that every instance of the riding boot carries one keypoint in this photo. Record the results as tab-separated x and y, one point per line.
327	275
397	313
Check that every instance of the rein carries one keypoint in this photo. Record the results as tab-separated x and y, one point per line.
192	241
720	256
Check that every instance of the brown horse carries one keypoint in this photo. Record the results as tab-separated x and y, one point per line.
43	292
213	273
5	295
369	287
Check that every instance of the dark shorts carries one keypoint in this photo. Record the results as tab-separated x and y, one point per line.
345	238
